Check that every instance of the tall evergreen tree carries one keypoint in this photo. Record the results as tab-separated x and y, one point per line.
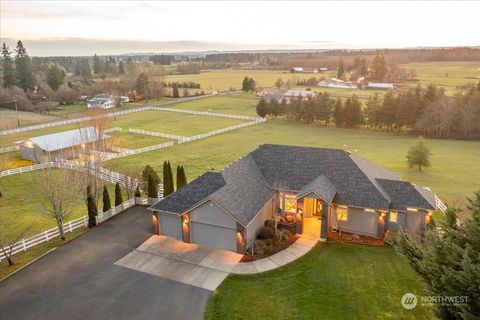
378	68
23	68
168	187
120	68
97	65
118	195
152	187
91	208
55	77
262	108
181	178
8	69
175	93
106	199
137	192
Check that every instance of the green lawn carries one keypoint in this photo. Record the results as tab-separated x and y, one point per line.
172	122
454	174
333	281
239	103
125	139
21	196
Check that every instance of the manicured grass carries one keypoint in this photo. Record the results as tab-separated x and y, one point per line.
125	139
21	196
454	174
22	258
333	281
225	79
239	103
65	111
173	123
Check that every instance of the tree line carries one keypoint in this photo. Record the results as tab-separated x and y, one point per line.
425	110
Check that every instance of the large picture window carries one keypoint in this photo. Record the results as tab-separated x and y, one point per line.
290	203
393	216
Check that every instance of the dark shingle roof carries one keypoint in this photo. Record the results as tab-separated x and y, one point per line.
321	186
292	167
191	194
245	191
405	195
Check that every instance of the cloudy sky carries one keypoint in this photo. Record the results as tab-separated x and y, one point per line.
116	27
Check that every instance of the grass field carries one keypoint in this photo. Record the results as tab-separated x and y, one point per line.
125	139
240	103
333	281
448	74
8	118
455	170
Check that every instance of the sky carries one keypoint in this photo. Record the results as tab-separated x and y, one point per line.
54	28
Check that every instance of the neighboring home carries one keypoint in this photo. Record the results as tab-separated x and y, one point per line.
297	94
323	69
66	144
101	100
380	85
124	99
270	94
296	69
336	83
324	189
311	71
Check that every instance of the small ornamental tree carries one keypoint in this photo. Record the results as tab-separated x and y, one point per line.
137	192
418	156
118	195
91	208
152	188
106	199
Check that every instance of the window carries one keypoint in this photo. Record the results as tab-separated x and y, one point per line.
290	203
393	216
342	213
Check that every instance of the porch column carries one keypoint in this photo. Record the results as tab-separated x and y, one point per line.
186	228
241	239
381	223
324	225
155	223
300	213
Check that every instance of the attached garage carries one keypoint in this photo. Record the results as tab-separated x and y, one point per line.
213	236
211	226
170	225
356	221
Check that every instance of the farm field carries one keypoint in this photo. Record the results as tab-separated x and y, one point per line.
239	104
323	284
8	118
450	176
448	74
125	139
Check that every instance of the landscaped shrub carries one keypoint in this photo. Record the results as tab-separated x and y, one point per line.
270	224
266	233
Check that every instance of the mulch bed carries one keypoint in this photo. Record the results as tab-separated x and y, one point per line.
346	237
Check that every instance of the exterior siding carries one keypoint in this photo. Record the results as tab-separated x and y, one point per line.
259	221
210	213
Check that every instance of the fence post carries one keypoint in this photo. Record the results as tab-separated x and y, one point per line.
24	245
46	235
85	221
70	225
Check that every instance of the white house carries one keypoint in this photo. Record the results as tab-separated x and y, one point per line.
336	83
101	100
297	69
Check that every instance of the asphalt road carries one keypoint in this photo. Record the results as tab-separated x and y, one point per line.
80	281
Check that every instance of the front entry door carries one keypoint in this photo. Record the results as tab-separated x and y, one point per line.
317	208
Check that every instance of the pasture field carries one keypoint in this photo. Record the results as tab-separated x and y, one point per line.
454	174
125	139
21	195
447	74
239	104
8	118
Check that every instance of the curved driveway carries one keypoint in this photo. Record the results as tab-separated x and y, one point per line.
80	281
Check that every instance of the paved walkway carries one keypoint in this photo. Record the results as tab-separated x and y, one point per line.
188	263
293	252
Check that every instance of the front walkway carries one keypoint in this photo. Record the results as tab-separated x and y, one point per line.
293	252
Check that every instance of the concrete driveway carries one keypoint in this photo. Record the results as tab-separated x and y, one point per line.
80	280
187	263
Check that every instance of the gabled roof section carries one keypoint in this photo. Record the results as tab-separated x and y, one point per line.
245	191
405	195
185	198
66	139
292	167
320	186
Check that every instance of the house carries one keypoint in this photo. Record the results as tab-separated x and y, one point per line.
101	100
336	83
380	85
296	69
327	189
66	144
290	95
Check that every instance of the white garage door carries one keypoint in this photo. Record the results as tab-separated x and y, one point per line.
214	236
170	226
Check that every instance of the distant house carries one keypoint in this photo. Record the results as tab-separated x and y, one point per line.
336	83
296	69
380	85
297	94
124	99
65	144
322	69
102	100
311	71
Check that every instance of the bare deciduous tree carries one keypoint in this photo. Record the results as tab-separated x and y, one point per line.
11	231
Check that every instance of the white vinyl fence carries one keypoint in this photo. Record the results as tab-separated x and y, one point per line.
47	235
218	131
157	134
10	149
